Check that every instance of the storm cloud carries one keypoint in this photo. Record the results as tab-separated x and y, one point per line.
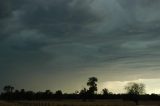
76	37
31	26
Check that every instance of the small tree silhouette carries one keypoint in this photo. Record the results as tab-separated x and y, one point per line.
48	94
58	94
134	90
8	89
83	94
105	91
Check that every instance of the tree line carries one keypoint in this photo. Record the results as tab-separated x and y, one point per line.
134	92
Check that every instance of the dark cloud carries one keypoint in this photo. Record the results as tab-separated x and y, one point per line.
52	19
68	36
59	18
4	9
29	27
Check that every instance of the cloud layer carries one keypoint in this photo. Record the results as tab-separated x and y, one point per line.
76	37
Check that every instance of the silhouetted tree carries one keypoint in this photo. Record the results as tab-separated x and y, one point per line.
8	89
105	91
92	85
58	94
17	95
134	90
83	94
48	94
83	91
29	95
39	95
17	91
22	93
8	95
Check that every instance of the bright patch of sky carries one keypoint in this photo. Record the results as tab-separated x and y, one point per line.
151	85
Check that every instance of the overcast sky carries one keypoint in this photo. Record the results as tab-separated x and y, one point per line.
58	44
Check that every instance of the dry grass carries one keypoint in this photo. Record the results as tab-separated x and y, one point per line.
78	103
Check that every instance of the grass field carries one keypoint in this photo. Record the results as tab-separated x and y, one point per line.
79	103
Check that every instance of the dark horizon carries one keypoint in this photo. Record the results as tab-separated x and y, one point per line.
135	92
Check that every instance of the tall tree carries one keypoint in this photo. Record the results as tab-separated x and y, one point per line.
92	83
8	95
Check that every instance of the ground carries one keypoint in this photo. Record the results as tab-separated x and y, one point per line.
79	103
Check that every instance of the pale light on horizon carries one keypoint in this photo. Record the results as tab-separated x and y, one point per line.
151	85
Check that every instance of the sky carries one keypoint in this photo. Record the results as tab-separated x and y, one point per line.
59	44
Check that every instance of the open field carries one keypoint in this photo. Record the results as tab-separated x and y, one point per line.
79	103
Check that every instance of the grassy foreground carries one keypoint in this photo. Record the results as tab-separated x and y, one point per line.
79	103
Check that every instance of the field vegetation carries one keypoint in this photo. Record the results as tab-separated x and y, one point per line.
69	103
